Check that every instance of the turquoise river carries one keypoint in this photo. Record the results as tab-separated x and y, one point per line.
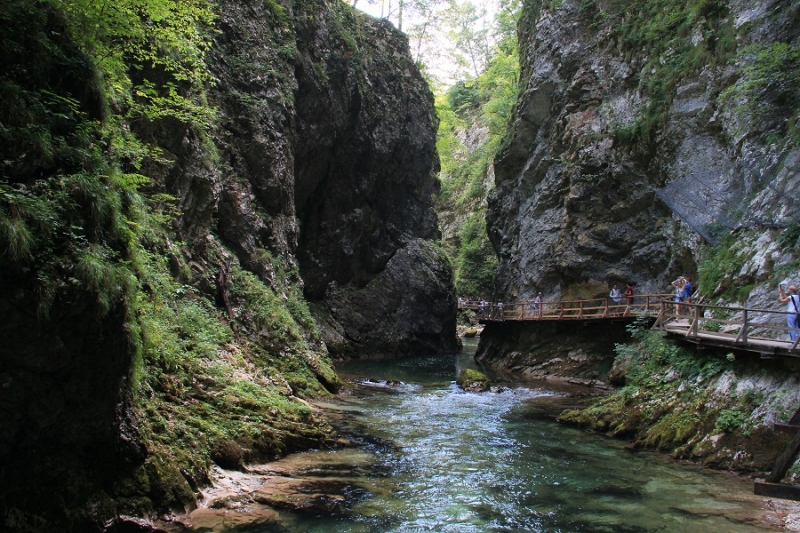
434	458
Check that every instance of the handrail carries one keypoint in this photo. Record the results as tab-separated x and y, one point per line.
585	309
753	331
754	324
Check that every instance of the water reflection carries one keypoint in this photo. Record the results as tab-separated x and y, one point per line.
449	461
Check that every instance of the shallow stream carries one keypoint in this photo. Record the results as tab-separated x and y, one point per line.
437	459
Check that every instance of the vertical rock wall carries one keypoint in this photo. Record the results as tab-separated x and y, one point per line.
577	201
625	155
324	165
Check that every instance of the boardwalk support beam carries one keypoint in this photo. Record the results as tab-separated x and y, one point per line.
773	487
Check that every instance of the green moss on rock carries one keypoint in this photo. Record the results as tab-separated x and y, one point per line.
473	380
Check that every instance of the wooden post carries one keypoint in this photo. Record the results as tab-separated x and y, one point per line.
742	337
605	312
659	323
694	322
785	461
561	312
580	311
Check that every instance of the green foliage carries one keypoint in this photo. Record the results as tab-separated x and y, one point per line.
770	76
651	357
279	332
729	420
483	103
139	41
717	272
662	35
790	236
463	97
86	219
476	262
201	389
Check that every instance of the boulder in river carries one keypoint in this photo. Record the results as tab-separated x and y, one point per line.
473	380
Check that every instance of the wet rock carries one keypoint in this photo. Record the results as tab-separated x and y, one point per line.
131	524
379	384
543	350
309	496
473	381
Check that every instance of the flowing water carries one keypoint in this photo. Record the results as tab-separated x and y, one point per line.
435	458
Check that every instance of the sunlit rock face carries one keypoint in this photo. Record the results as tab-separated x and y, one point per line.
580	199
626	155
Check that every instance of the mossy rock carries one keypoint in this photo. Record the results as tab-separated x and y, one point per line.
473	381
471	332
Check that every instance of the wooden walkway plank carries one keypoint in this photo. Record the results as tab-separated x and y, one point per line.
683	320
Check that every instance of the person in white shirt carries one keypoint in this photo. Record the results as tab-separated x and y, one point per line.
793	308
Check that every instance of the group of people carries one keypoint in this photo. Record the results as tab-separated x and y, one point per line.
489	310
616	295
684	289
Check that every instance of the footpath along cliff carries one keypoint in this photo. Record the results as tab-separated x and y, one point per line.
643	135
652	140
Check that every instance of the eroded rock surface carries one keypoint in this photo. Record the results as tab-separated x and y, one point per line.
605	180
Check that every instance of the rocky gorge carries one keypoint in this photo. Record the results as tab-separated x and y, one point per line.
651	141
181	264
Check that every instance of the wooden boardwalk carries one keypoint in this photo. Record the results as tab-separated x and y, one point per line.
761	331
646	305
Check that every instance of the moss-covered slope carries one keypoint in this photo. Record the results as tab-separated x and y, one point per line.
153	314
711	407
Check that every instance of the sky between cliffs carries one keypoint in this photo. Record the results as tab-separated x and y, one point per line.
450	39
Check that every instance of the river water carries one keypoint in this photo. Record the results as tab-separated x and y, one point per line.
435	458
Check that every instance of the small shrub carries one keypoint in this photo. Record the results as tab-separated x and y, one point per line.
729	420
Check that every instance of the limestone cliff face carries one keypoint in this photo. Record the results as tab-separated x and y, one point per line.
365	166
633	142
326	166
620	162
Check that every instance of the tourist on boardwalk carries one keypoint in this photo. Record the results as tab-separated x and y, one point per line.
688	289
678	284
500	310
537	305
793	308
629	294
615	294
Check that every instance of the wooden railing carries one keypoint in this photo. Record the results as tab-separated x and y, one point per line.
597	308
739	325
